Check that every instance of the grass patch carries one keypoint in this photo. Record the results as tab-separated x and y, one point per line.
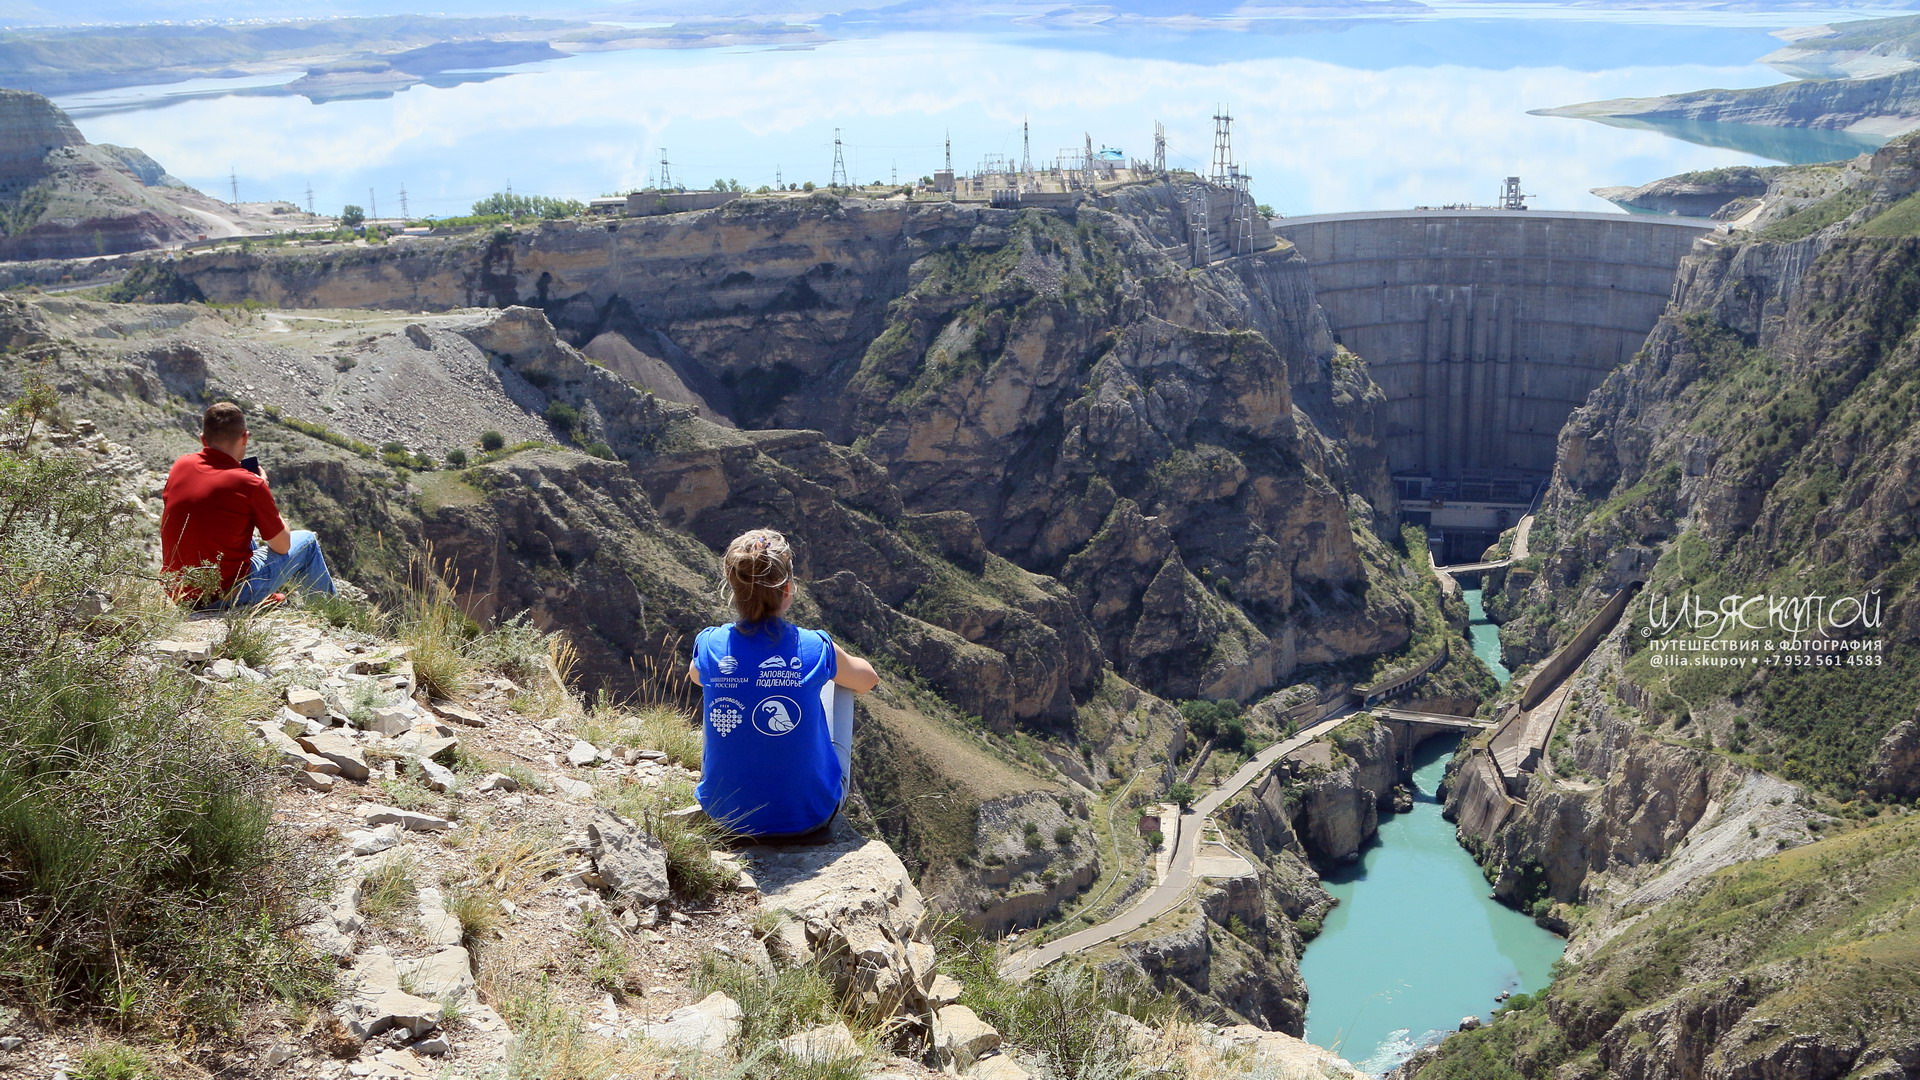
114	1061
389	892
670	729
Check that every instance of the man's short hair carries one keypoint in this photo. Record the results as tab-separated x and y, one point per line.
223	423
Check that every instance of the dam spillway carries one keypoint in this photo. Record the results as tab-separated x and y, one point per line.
1485	328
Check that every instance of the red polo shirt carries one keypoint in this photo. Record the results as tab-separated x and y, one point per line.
212	508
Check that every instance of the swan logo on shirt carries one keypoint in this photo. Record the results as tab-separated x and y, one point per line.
777	662
777	671
776	716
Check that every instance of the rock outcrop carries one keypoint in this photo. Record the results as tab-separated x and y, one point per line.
62	197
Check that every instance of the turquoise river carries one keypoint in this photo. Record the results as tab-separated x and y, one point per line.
1416	943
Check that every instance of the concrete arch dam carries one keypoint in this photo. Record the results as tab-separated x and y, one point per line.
1487	327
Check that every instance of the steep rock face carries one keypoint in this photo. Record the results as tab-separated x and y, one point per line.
63	197
1762	444
1324	799
1221	975
1178	448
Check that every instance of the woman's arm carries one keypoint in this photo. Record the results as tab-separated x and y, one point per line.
693	672
852	672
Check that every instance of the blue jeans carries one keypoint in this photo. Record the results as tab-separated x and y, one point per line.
301	567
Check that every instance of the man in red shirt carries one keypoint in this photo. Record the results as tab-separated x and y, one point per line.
213	507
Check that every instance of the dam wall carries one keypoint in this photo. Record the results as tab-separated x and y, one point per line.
1487	327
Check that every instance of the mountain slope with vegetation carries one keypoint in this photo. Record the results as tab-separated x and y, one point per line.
1682	824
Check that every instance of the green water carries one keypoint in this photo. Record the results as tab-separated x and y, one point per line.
1485	635
1416	943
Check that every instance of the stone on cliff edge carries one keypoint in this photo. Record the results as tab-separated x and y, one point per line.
375	814
961	1037
633	864
706	1026
1292	1056
858	913
817	1046
307	702
341	750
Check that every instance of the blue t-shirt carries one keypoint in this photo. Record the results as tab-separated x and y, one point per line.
768	766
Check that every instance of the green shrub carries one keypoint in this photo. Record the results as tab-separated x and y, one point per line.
141	877
563	417
491	441
457	457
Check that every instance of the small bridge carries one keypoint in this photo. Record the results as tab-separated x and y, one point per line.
1445	720
1474	567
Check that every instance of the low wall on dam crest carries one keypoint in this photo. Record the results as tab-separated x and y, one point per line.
1487	327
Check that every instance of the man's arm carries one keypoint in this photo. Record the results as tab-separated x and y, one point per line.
266	518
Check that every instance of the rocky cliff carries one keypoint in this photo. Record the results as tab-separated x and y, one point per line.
62	197
1760	446
1174	446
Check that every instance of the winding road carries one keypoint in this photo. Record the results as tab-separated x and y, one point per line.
1163	897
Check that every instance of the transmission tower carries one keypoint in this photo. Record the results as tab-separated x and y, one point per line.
949	151
1222	146
1241	228
309	198
839	179
233	178
893	174
666	171
1026	153
373	206
1159	148
403	202
778	183
1197	232
1086	163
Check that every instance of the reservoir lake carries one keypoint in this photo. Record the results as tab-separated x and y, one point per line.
1361	113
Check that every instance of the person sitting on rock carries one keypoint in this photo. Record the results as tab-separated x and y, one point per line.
775	765
214	503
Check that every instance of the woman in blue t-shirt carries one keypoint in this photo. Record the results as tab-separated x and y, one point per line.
776	748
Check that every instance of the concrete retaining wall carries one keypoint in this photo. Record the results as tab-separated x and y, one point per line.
1562	663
